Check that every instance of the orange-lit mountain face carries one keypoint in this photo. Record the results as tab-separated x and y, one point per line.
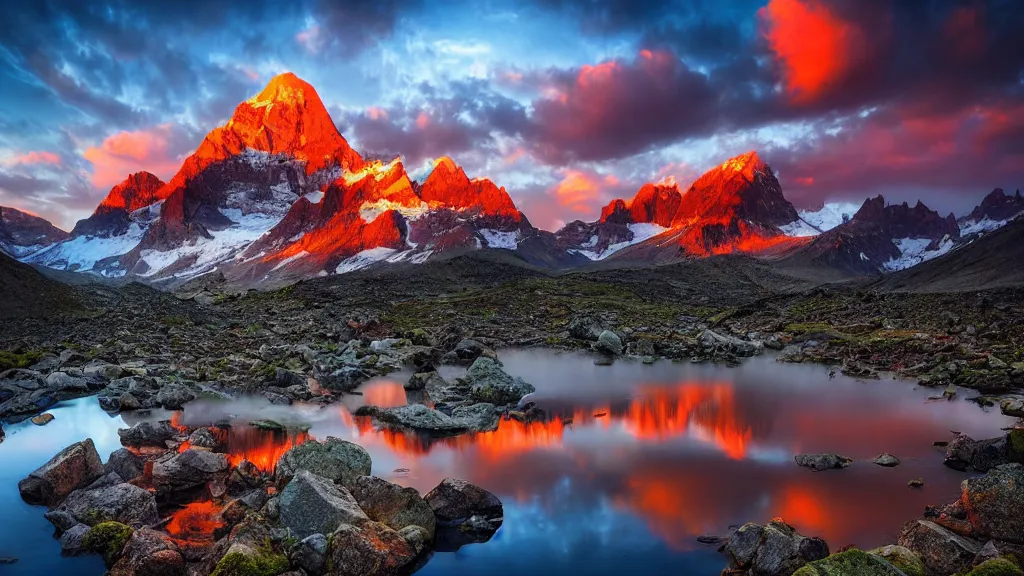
137	191
653	204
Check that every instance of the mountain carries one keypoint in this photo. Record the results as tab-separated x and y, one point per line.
882	237
990	262
995	210
623	223
22	234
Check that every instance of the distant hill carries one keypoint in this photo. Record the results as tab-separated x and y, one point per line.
26	292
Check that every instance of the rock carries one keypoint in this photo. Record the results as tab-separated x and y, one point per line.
941	551
850	562
150	553
994	503
455	501
887	460
584	328
28	403
480	417
124	503
901	558
174	396
285	378
468	350
987	552
419	418
125	464
334	459
1012	406
393	505
775	549
71	468
147	434
367	549
108	539
188	469
127	402
997	567
643	347
489	383
819	462
312	504
417	537
42	419
963	452
712	340
108	479
311	554
72	541
609	343
202	438
916	483
66	383
604	360
102	369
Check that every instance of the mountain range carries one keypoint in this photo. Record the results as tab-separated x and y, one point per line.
277	194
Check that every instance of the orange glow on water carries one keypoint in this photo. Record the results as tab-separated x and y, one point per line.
196	521
262	448
385	394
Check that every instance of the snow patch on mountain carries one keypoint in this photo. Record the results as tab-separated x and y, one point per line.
914	251
369	211
641	232
982	226
364	259
799	229
829	216
499	239
205	254
82	253
19	252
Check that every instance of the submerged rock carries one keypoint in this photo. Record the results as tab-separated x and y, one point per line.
819	462
337	460
312	504
887	460
71	468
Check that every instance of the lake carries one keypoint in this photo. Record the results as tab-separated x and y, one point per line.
633	464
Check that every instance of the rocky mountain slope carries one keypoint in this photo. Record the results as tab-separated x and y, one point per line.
22	234
26	292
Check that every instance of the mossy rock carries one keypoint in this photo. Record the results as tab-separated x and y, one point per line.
262	563
849	563
10	360
267	425
996	567
108	539
1016	438
902	558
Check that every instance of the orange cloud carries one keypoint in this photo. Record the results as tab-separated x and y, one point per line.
125	153
815	47
33	158
578	191
422	121
377	113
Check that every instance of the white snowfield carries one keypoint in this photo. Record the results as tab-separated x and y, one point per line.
812	223
913	251
499	239
82	253
641	232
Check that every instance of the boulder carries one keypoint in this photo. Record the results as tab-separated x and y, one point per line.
337	460
887	460
468	350
963	452
995	503
124	503
64	382
125	464
28	402
455	501
901	558
368	549
479	417
42	419
418	418
312	504
188	469
72	542
775	549
850	562
150	553
489	383
711	340
997	567
147	434
311	554
393	505
609	343
584	328
103	369
286	378
941	550
174	396
417	537
819	462
71	468
1012	406
202	438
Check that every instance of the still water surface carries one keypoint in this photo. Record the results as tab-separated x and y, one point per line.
635	463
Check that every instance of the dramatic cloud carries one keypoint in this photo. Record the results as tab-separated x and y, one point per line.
33	157
156	150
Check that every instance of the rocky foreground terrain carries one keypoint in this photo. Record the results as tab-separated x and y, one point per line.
138	349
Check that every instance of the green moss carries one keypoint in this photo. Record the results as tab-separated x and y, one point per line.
10	360
94	517
108	539
849	563
808	327
262	563
902	558
996	567
174	321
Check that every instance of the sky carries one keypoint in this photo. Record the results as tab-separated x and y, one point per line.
566	103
